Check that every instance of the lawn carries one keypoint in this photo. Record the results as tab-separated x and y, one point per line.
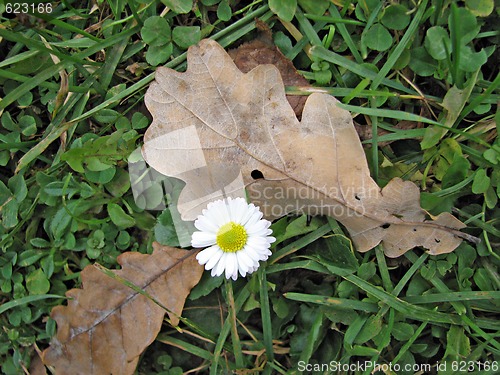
398	290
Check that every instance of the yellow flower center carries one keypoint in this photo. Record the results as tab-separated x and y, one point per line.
231	237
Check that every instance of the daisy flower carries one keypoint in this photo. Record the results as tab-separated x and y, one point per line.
235	236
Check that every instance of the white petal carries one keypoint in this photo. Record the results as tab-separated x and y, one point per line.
214	260
221	212
205	225
235	275
261	228
250	210
217	213
244	261
256	216
252	254
231	264
238	208
203	239
257	242
221	265
253	270
208	254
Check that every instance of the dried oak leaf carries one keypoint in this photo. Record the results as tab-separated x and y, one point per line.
107	325
214	127
263	51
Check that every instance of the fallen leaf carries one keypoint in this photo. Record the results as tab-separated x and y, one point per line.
107	325
263	51
222	131
36	365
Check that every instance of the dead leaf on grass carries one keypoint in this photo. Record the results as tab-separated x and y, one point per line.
263	51
107	325
214	126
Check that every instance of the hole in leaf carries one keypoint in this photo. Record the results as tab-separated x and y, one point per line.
386	225
414	229
308	220
357	197
437	240
256	174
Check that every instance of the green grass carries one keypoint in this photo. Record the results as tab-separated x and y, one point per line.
72	85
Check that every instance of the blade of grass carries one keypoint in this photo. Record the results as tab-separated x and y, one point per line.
355	92
373	13
34	44
185	346
30	84
240	32
308	29
385	340
382	267
388	113
113	57
453	296
479	99
479	223
334	58
265	311
336	303
48	85
456	36
334	19
226	328
400	46
49	72
345	34
416	312
137	289
25	300
398	135
66	26
342	91
409	274
489	339
400	115
41	146
459	307
374	163
312	338
299	244
403	307
306	264
250	17
18	58
55	129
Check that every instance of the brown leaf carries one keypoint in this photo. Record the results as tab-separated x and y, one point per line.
220	130
107	325
263	51
36	366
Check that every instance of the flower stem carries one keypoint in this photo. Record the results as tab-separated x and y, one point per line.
238	355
